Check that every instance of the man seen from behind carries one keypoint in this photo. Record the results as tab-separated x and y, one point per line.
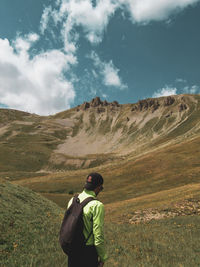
94	254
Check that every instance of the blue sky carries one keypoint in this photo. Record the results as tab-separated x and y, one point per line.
57	54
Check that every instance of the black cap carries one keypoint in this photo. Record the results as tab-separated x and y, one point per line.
93	181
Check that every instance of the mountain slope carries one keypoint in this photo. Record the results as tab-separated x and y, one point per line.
94	133
166	168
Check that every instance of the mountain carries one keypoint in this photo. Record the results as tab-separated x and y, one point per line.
95	133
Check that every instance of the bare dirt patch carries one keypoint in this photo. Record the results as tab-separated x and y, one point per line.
186	207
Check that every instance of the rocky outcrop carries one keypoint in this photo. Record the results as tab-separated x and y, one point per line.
182	107
169	101
146	104
154	104
97	103
115	104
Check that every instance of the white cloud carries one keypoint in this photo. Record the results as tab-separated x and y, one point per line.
147	10
45	19
104	96
34	84
195	89
72	13
111	77
165	91
94	19
180	80
23	44
108	71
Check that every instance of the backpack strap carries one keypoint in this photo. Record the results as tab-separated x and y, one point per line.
76	199
86	201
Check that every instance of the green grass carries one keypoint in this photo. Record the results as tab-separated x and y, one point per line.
158	126
18	175
105	125
9	115
148	126
163	169
30	225
169	242
26	153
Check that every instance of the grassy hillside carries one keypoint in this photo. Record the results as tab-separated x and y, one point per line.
29	225
164	169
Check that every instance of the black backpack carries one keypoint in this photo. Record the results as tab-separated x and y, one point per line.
71	232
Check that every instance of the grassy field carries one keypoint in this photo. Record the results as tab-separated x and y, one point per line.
30	224
169	242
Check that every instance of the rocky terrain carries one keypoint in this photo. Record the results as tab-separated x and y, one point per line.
183	208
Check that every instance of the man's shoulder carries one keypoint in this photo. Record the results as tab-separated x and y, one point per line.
96	204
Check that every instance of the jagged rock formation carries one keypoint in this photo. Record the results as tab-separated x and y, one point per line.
169	101
96	102
154	104
182	107
146	104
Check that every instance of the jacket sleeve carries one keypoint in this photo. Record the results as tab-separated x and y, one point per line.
98	231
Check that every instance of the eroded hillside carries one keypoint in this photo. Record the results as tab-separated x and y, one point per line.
95	133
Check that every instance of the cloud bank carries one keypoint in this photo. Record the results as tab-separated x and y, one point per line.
168	90
147	10
36	84
165	91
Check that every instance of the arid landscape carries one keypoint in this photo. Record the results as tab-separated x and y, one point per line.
148	153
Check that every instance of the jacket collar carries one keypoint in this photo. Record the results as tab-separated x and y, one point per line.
90	193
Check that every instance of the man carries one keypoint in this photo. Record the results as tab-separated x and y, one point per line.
94	253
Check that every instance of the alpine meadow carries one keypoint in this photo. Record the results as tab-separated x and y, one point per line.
148	153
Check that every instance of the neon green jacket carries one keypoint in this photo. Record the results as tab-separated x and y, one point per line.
93	217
